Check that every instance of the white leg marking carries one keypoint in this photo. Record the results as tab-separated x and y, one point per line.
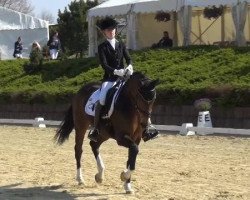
128	188
100	167
100	164
79	176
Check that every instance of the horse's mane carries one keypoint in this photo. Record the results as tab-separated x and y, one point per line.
139	75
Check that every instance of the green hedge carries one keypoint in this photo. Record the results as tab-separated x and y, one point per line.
186	74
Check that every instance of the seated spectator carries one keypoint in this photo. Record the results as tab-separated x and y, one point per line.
18	48
164	42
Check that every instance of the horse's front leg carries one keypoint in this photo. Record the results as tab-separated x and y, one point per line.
99	177
126	174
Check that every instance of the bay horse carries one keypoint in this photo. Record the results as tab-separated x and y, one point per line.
126	125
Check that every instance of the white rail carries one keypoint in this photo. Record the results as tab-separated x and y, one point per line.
161	128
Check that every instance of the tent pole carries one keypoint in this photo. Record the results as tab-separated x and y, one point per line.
175	36
223	25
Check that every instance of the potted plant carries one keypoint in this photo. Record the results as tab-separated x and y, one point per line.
203	104
162	16
213	12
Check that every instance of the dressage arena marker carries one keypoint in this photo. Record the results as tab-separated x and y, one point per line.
204	120
184	129
39	122
164	129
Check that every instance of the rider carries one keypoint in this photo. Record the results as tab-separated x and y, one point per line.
111	56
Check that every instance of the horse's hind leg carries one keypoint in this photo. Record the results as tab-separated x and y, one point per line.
99	177
80	130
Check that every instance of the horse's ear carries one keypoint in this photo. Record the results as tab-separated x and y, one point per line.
151	85
156	82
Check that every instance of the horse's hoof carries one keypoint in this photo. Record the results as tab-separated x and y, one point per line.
124	176
80	182
98	178
130	192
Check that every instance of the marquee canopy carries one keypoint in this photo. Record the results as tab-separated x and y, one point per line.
122	7
131	9
10	20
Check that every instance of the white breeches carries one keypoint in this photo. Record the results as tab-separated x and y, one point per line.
53	53
104	89
18	55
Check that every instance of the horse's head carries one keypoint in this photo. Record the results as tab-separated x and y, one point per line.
141	91
139	84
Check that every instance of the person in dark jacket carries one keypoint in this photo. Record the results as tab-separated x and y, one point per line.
54	46
111	56
164	42
18	48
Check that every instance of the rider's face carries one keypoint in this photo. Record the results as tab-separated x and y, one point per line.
109	33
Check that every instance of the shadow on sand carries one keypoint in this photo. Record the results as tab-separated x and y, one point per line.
16	192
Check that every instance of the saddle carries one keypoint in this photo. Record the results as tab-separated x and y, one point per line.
110	101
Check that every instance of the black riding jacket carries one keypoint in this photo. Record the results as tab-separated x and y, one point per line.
111	59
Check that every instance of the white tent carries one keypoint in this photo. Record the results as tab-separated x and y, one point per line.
14	24
133	8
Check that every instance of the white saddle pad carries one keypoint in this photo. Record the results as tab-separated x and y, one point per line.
90	105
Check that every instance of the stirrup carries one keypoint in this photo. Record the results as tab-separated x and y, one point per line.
150	135
93	135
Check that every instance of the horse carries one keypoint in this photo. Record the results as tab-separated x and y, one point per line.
126	124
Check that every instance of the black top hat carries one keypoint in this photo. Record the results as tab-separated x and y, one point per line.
107	23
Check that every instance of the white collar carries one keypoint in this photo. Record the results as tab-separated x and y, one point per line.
112	42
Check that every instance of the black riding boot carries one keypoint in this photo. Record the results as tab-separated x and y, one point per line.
149	134
95	132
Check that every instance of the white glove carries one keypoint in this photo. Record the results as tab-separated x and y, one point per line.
129	70
119	72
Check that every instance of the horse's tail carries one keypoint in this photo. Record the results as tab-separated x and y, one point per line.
66	127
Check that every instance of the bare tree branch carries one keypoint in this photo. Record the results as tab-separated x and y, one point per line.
23	6
48	16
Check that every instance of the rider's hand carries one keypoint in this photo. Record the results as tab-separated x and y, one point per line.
119	72
129	70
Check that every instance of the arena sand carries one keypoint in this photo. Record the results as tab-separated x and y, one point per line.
171	167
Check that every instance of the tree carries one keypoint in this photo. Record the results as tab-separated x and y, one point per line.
48	16
73	27
23	6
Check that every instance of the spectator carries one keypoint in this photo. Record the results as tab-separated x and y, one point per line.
18	48
54	46
164	42
35	47
36	56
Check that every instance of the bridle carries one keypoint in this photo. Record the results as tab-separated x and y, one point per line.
140	110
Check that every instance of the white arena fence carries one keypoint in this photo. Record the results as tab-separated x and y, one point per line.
185	129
